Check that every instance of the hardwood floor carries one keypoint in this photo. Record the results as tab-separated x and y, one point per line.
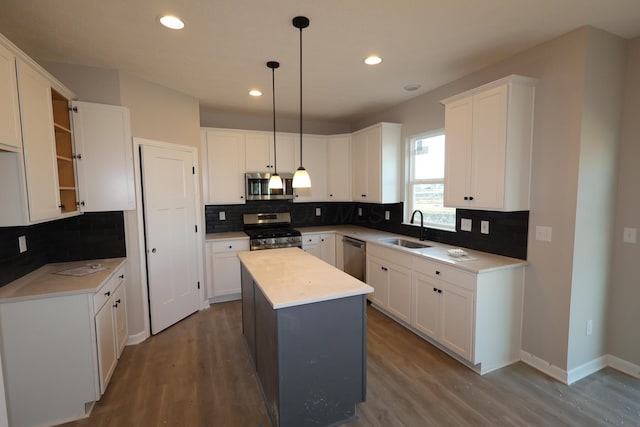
198	373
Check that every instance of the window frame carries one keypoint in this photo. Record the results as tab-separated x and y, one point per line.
410	182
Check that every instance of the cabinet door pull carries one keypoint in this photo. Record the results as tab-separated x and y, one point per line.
435	289
242	197
437	272
439	291
466	197
115	305
153	250
470	197
108	293
121	276
118	301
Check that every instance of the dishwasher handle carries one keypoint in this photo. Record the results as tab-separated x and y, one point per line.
353	242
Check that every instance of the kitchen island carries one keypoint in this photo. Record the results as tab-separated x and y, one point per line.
304	322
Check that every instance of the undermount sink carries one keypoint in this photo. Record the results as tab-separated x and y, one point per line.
406	243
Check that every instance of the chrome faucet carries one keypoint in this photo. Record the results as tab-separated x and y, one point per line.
421	222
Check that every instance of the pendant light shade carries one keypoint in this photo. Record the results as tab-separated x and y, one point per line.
275	182
301	178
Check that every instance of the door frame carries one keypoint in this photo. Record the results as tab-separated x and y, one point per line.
141	241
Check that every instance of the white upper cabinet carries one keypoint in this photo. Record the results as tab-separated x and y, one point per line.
488	146
376	163
9	109
259	152
39	144
339	168
104	156
314	160
225	154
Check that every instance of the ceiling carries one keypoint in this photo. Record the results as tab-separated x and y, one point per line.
222	52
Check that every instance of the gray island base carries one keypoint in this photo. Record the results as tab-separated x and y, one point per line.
304	323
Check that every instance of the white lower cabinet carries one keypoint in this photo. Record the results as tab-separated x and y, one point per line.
111	326
322	246
475	316
223	268
389	273
59	352
443	311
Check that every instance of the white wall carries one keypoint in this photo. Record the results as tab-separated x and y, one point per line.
624	313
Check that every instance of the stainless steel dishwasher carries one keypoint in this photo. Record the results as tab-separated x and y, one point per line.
355	257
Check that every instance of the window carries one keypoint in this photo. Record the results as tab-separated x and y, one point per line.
425	189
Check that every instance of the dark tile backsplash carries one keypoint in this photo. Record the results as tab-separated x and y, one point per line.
88	236
507	230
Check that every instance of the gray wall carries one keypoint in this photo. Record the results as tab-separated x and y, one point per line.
595	204
227	119
624	314
576	127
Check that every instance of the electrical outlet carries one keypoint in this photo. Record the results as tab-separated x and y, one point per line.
629	235
22	243
484	227
318	211
465	224
387	215
589	327
222	216
359	211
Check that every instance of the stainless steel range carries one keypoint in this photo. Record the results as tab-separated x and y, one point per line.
271	231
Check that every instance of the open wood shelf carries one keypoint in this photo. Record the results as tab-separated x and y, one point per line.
64	153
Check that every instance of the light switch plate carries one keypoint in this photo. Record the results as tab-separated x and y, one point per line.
543	233
387	215
629	235
318	211
465	224
222	216
22	243
484	227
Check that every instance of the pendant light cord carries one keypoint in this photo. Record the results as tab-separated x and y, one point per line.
301	97
273	91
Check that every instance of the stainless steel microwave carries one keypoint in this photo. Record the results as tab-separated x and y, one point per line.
257	186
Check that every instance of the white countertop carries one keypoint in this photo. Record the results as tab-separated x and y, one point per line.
44	282
478	261
228	235
289	277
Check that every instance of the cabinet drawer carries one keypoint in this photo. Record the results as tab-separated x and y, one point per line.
310	239
229	246
105	292
389	255
452	275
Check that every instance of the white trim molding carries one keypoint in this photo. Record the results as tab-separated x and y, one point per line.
623	366
543	366
137	338
581	371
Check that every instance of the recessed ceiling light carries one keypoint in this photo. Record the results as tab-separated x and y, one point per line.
373	60
172	22
411	87
255	92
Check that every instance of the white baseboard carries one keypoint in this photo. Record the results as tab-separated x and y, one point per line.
137	338
582	371
544	366
587	369
623	366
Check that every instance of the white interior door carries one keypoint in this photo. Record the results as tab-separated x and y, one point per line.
171	240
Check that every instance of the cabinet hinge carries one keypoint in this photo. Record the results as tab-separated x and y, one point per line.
198	285
193	169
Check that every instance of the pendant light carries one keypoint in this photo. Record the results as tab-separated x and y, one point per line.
275	182
301	178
